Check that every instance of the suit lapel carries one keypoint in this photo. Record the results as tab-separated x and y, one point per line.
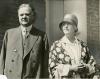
18	42
30	42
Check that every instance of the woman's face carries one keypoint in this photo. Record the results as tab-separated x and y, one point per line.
69	29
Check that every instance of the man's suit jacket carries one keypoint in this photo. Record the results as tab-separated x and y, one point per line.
33	63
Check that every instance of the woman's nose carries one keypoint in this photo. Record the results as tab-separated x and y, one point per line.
66	26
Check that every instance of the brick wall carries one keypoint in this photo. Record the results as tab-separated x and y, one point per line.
93	27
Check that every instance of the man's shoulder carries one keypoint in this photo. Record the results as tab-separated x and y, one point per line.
12	29
37	31
34	31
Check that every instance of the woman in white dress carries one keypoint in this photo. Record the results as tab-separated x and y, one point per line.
70	57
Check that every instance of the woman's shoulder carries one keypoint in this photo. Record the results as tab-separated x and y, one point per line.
84	44
57	43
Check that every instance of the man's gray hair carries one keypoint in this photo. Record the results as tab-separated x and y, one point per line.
27	5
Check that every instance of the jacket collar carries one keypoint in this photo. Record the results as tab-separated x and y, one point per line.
32	40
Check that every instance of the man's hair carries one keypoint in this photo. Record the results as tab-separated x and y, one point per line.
27	5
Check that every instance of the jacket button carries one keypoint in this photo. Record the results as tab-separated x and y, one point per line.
10	70
14	50
24	45
12	60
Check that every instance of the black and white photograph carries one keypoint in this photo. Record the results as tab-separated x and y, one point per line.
49	39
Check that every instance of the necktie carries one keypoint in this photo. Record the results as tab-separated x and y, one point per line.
26	33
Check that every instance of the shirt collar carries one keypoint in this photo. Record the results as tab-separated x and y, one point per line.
24	28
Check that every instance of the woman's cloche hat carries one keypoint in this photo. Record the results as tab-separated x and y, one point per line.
69	18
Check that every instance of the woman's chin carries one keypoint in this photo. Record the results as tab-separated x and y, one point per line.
67	33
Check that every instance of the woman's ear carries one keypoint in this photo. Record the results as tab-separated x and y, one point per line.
76	29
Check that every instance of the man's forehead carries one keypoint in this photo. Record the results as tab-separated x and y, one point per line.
22	9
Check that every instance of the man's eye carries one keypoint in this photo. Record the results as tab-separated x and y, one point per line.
27	14
21	14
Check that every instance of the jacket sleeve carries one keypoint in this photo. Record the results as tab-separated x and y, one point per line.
45	57
3	54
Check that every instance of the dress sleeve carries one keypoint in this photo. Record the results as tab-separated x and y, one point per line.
52	61
59	62
91	62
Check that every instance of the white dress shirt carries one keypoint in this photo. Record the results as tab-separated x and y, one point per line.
25	31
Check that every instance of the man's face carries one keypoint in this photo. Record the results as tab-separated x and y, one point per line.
25	16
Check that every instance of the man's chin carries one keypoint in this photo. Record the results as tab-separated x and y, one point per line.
25	25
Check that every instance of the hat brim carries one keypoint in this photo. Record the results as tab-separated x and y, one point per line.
61	24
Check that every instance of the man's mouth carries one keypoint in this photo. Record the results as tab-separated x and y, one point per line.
24	20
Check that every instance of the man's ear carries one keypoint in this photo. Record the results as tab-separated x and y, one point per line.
34	17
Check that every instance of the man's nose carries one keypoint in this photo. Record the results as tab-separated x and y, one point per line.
24	16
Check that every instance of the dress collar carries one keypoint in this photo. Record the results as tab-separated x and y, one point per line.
65	40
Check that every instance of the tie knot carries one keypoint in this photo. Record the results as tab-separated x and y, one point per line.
26	33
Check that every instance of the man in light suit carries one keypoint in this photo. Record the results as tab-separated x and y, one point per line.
24	53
